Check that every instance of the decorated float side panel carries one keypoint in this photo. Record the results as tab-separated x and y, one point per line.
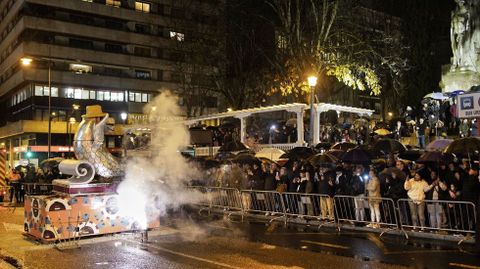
58	217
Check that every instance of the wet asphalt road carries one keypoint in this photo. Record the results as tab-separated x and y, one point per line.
213	243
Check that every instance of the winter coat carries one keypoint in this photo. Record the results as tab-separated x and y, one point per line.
373	187
395	190
357	185
416	189
270	181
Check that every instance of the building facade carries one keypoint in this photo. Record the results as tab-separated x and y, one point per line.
116	53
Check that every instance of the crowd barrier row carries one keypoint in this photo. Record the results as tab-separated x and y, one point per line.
444	217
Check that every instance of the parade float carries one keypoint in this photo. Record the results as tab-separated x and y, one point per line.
87	203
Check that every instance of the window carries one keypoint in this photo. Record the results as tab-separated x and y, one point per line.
78	93
81	43
131	97
142	6
69	93
106	96
115	3
144	97
116	96
92	95
43	91
142	51
177	36
100	95
113	48
142	28
85	94
80	68
142	74
138	97
113	24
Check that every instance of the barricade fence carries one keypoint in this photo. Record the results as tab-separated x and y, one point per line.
457	217
37	188
375	212
440	215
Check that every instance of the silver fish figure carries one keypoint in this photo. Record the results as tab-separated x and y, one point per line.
88	146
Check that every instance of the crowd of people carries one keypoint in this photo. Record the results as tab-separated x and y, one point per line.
395	179
20	177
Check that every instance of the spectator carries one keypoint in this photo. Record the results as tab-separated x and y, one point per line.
326	190
421	128
358	190
373	188
416	192
435	191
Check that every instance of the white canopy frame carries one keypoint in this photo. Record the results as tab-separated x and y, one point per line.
324	107
297	108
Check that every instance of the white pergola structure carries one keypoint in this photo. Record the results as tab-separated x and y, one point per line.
324	107
296	108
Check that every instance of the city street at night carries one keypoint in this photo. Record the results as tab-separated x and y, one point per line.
239	134
203	242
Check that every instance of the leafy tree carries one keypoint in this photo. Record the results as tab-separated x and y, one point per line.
323	37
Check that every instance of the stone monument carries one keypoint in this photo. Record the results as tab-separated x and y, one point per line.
463	72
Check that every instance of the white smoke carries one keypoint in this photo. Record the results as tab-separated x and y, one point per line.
159	180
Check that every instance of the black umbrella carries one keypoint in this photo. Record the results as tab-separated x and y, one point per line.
390	170
387	146
301	153
344	146
436	157
323	160
464	147
337	153
357	156
323	146
233	146
411	154
245	158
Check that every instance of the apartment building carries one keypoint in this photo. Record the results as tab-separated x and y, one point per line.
116	53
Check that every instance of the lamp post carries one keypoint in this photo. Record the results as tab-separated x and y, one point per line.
312	82
26	61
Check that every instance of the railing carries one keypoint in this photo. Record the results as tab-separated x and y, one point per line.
211	151
384	214
284	147
438	215
37	188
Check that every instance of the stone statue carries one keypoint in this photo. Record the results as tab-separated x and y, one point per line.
462	41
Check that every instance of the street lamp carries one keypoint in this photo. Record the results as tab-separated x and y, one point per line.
312	82
27	61
123	116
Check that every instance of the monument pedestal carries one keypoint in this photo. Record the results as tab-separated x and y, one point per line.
459	81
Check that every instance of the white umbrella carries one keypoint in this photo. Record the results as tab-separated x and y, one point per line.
270	153
435	96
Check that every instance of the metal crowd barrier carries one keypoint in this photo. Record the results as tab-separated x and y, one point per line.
309	206
265	202
375	212
458	217
37	188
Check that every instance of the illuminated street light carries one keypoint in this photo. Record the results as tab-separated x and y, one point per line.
26	61
390	114
312	82
229	109
124	115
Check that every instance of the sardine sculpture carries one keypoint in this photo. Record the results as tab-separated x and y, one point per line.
88	144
